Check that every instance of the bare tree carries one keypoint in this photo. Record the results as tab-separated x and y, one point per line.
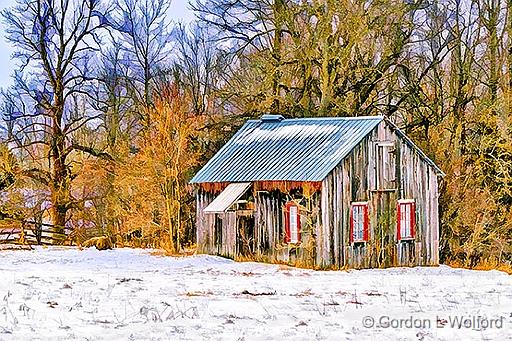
145	39
249	26
198	66
55	43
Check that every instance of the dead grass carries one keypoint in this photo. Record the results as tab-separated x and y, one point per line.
198	293
303	293
164	252
484	266
11	247
502	267
101	243
285	266
246	292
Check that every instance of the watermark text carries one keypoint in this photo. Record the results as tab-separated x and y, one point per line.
475	322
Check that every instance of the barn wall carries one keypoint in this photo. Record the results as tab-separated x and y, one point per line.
270	233
205	223
419	182
355	180
268	224
347	183
216	233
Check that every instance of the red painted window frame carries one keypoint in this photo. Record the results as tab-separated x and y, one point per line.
400	206
366	222
287	237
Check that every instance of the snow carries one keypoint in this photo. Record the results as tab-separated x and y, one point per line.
69	294
290	131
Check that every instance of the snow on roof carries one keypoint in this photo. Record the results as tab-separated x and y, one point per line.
286	150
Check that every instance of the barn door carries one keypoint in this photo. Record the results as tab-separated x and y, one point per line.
245	238
384	199
385	207
385	166
217	237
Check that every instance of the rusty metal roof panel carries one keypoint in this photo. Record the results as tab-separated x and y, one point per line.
306	149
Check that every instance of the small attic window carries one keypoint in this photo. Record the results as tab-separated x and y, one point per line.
385	166
271	118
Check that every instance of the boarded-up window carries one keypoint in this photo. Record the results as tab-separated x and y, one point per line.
385	165
292	223
359	224
406	219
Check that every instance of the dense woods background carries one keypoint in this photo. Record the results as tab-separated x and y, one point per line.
114	106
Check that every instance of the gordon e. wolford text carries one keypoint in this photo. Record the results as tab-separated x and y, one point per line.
476	322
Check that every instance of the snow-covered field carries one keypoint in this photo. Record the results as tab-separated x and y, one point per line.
125	294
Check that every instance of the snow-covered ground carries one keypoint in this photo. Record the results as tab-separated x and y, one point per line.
125	294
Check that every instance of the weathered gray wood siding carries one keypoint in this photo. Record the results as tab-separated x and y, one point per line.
419	182
216	233
354	180
270	234
205	223
268	223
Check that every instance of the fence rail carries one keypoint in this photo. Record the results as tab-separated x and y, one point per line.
33	233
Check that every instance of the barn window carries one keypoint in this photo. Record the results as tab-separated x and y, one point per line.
406	219
292	223
359	225
385	166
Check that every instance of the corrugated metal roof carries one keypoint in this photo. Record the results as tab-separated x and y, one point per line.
227	197
304	149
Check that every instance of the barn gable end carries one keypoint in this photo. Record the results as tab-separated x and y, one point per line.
355	180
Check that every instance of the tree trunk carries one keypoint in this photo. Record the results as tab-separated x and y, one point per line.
494	46
60	182
172	248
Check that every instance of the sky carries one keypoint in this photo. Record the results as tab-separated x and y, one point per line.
179	12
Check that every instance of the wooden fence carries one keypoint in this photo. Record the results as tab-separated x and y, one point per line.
33	233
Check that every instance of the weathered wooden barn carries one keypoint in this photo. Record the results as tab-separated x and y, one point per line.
320	192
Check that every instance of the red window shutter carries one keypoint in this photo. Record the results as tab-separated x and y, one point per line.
398	221
351	224
287	222
366	223
413	219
